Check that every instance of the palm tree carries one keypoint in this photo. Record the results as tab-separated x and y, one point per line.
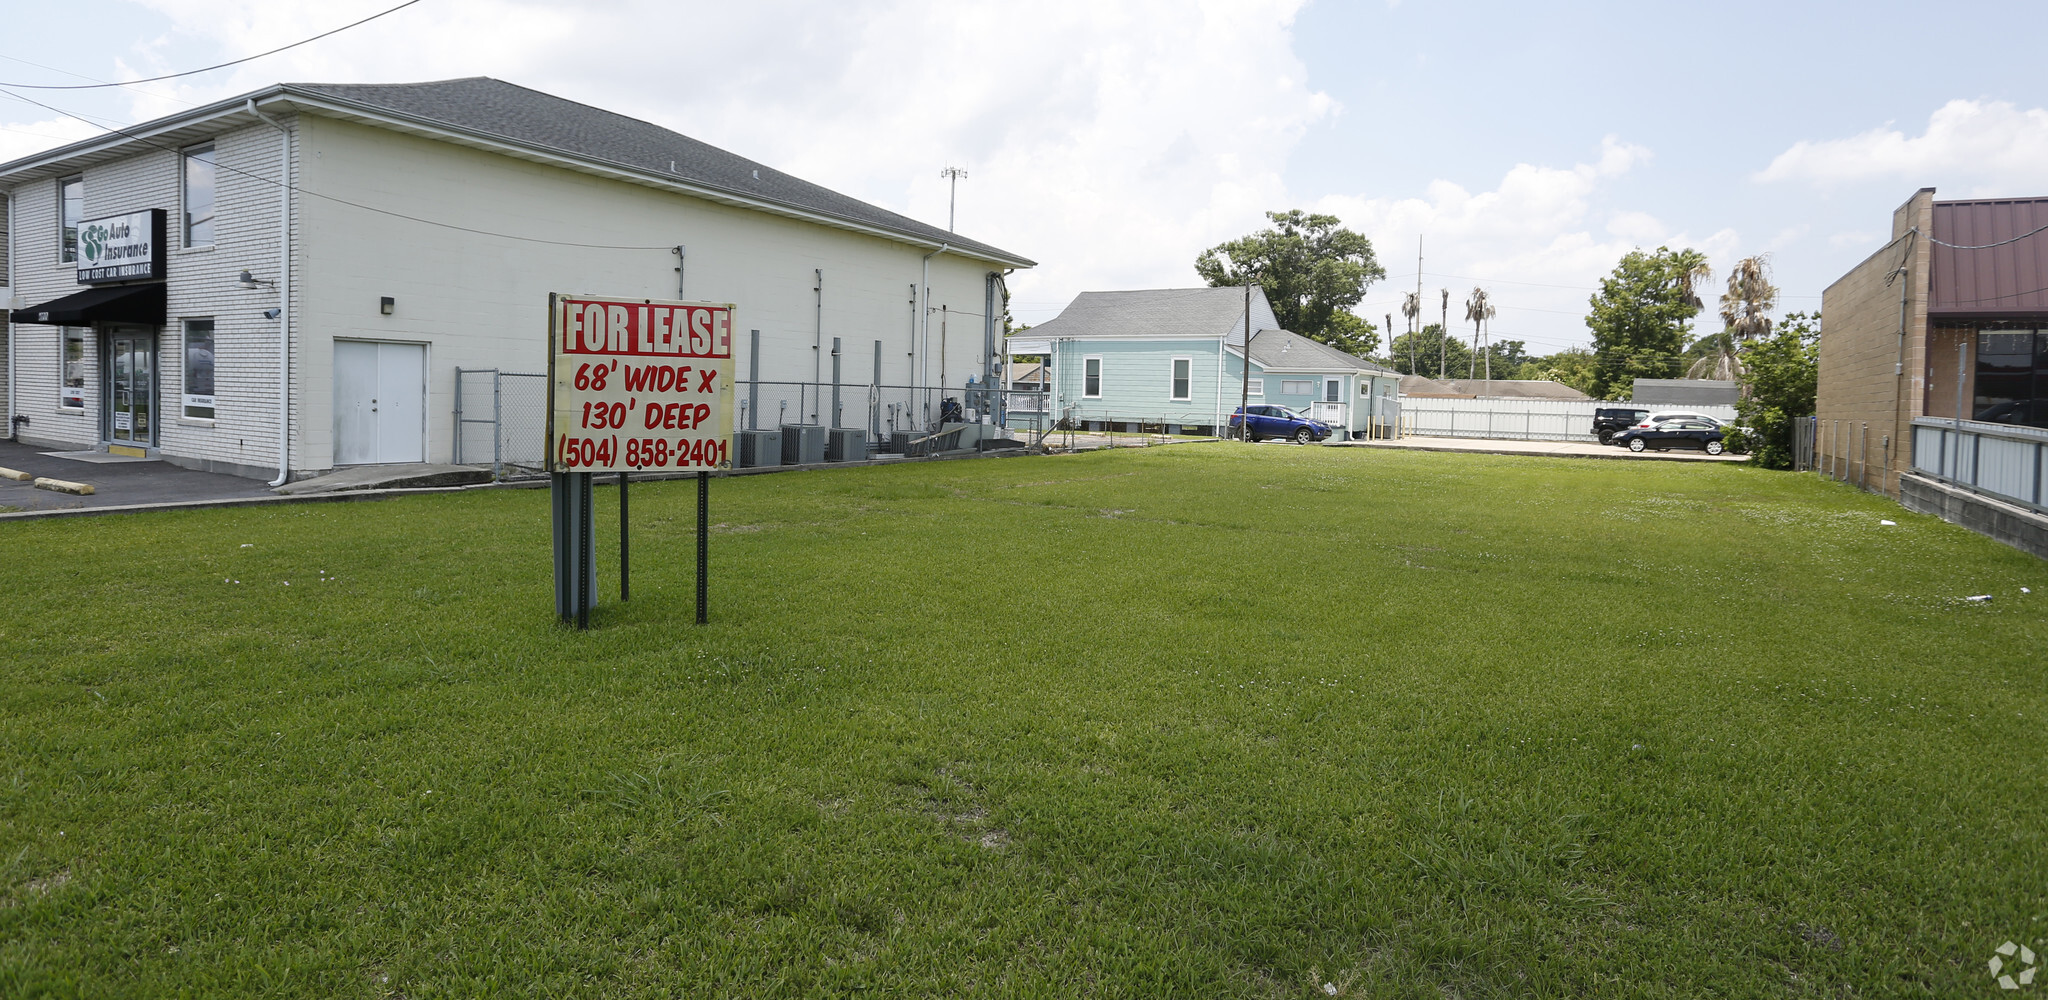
1744	308
1479	310
1411	307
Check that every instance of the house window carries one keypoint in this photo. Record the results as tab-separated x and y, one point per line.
1297	387
1091	378
199	174
1181	367
1257	388
199	369
1333	390
70	211
71	395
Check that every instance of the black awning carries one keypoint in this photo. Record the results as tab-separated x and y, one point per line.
142	304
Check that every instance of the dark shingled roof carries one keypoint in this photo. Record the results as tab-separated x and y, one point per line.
525	117
1287	349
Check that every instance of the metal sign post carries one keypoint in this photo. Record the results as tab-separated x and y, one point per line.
633	385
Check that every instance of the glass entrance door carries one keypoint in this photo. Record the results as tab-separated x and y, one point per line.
131	387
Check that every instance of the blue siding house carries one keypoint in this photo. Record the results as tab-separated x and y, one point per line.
1174	358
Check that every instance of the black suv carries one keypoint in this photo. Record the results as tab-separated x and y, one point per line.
1611	420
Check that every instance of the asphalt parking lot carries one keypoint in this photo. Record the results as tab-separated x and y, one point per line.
115	484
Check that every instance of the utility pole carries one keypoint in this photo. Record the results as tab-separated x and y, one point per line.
952	176
1443	330
1244	398
1418	306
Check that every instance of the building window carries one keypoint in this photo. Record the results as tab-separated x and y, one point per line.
1257	388
2012	377
1297	387
199	173
70	211
1181	367
1091	378
72	393
199	369
1333	390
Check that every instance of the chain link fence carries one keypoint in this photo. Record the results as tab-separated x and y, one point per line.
501	418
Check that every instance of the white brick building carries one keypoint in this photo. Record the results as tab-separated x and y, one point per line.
428	223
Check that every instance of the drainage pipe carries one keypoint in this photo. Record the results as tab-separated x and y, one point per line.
284	295
817	343
13	354
924	374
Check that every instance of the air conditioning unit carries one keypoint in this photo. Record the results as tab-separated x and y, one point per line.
846	444
757	449
803	444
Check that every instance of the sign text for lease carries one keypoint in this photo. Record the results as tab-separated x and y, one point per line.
640	384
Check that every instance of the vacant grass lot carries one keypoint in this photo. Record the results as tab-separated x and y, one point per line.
1191	721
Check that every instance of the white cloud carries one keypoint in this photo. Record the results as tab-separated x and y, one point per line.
1984	147
1110	142
1542	227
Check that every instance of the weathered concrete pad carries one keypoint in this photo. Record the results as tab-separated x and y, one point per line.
388	477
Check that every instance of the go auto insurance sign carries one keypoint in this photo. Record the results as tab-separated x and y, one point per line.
637	385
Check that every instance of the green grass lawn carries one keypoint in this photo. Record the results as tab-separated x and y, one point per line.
1177	722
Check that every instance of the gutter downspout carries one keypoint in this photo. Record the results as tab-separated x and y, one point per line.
1903	271
284	295
818	343
924	374
13	355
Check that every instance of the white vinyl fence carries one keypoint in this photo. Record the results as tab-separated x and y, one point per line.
1517	419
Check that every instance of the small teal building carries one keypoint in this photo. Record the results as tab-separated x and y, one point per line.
1175	358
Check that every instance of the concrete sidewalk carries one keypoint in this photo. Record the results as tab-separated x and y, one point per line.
116	483
1561	449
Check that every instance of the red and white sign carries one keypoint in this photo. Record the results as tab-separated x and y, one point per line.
638	385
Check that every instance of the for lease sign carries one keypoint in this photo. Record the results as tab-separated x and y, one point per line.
638	384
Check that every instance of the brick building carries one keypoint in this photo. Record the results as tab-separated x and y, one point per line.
1934	366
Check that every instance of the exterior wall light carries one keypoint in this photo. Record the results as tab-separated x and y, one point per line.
386	304
272	313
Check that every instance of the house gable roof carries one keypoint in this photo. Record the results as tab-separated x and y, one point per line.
492	113
1159	313
1283	350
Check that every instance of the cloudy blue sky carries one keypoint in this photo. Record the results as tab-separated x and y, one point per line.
1528	145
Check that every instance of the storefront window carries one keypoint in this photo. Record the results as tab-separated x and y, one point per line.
72	394
199	369
2012	377
71	209
199	174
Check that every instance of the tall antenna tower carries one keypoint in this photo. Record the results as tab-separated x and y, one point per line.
952	176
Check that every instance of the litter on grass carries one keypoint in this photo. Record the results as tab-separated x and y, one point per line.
1885	522
1978	599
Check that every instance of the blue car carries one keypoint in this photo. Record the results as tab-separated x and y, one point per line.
1271	421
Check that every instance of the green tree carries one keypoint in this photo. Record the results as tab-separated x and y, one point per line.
1641	316
1434	354
1745	318
1313	271
1780	377
1573	366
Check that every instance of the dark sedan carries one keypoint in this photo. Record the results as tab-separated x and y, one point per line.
1694	434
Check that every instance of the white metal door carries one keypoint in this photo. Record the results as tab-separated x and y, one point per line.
380	405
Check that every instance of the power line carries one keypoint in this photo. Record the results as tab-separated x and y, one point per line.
1987	246
339	201
208	69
